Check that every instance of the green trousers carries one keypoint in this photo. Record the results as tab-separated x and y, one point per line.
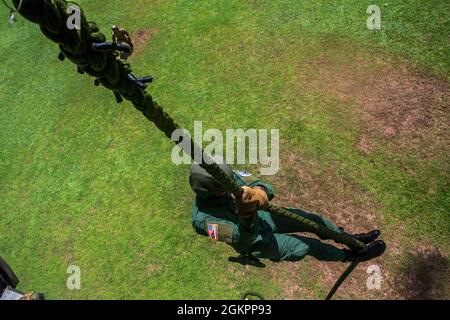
282	246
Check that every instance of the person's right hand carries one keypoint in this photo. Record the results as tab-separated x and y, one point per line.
252	199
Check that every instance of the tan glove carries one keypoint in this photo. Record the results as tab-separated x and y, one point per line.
253	199
27	296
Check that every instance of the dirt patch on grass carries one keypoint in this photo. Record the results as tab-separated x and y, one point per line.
291	277
140	39
364	144
152	268
68	258
402	101
392	101
308	185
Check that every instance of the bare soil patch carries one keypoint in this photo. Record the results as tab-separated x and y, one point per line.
305	184
140	39
393	102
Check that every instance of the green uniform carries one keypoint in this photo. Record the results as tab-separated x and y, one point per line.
265	235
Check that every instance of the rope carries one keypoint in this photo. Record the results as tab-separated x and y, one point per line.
341	279
252	294
76	45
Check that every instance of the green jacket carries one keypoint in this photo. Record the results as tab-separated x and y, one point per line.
218	220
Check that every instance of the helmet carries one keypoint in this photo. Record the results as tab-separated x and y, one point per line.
205	185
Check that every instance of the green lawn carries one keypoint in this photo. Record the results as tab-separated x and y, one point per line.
87	182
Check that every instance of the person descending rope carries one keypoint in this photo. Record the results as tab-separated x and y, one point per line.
114	74
257	233
121	36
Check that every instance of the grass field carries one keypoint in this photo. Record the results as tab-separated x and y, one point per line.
364	126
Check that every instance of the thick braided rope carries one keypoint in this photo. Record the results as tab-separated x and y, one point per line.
51	15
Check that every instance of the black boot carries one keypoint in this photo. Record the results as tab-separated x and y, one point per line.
368	237
365	238
373	250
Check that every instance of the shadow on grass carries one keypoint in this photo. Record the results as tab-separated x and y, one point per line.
424	275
